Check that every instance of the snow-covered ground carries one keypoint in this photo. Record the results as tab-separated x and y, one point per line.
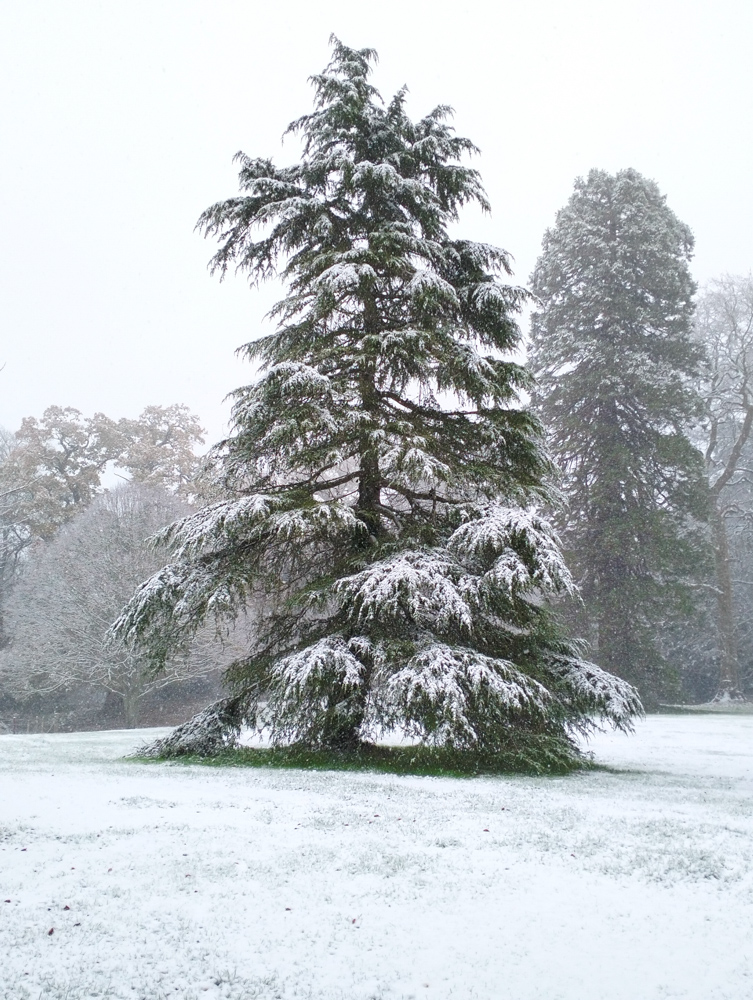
196	882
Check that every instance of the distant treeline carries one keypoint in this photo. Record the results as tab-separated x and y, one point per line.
72	553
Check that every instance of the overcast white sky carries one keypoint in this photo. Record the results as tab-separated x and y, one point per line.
118	122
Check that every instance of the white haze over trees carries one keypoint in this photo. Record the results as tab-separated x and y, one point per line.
51	469
57	525
72	589
383	476
13	532
145	103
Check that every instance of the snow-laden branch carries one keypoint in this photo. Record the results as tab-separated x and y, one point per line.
457	687
592	690
522	546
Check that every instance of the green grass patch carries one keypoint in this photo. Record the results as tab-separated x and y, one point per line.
537	755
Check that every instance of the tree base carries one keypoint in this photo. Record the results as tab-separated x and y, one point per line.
728	696
210	732
523	754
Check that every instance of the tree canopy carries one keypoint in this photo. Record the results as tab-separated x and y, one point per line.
51	470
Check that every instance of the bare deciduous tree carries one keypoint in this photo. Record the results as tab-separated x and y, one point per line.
14	531
724	324
72	589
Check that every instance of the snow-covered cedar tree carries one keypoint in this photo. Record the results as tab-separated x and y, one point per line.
383	473
617	371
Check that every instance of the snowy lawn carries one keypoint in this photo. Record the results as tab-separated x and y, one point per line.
195	882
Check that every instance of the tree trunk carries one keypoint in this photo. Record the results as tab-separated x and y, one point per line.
131	698
729	667
369	478
345	732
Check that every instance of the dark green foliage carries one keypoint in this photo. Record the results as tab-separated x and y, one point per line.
382	472
617	369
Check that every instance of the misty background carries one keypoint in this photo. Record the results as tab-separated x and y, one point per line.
120	122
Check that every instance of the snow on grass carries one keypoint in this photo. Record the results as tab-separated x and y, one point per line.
198	882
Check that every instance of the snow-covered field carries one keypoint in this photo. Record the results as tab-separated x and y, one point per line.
195	882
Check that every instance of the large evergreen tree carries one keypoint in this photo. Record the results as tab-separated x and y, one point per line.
382	473
616	365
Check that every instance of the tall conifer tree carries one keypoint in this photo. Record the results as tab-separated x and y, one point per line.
616	367
383	474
